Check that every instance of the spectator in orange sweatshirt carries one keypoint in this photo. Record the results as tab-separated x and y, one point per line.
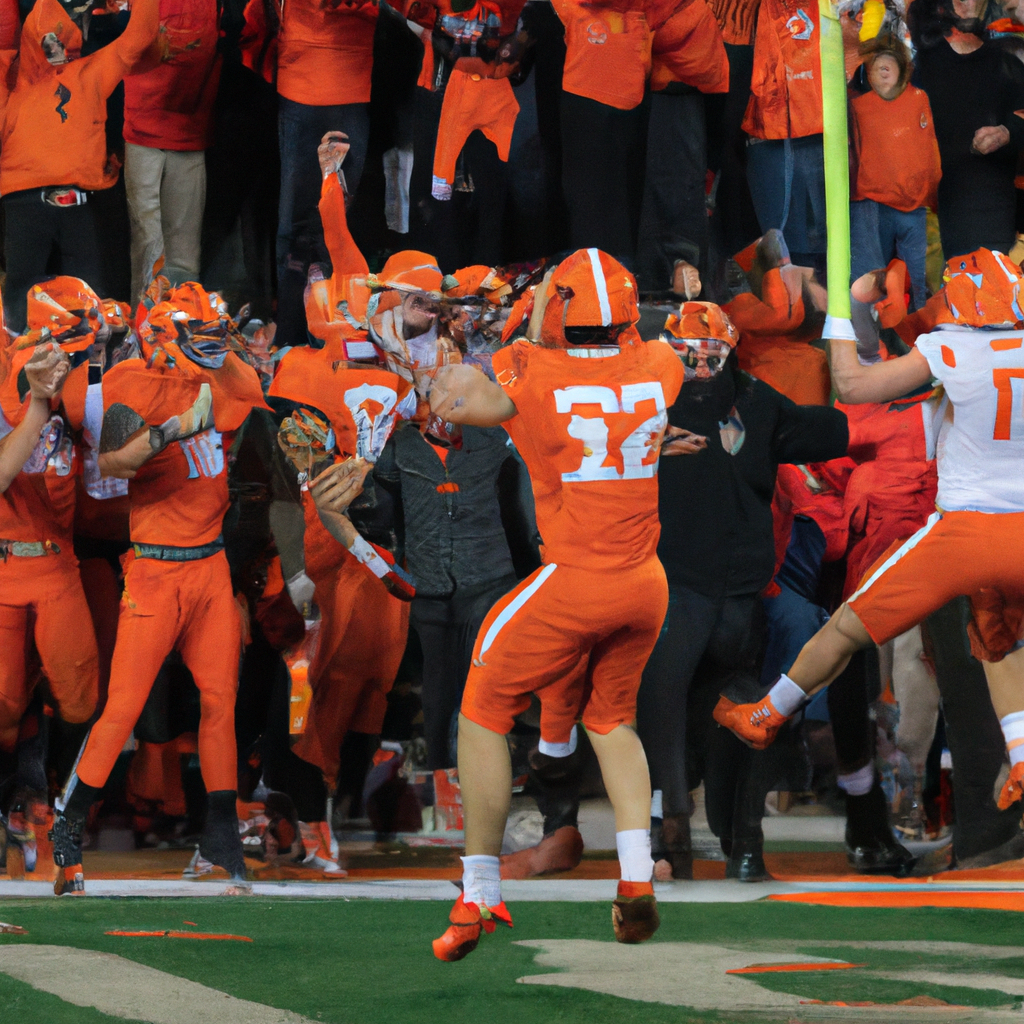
896	167
53	146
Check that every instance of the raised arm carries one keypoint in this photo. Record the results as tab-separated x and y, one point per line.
45	371
346	257
856	384
460	393
118	58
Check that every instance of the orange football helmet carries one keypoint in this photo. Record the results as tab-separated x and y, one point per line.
982	289
591	299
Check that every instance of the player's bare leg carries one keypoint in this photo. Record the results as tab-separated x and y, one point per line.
485	778
628	782
1006	687
823	657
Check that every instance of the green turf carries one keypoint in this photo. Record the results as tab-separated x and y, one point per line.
369	962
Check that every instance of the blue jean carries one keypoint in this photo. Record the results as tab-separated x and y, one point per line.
787	185
879	233
300	236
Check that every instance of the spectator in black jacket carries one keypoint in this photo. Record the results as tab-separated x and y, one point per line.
975	89
717	547
449	507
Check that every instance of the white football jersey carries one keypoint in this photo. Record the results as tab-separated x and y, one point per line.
980	443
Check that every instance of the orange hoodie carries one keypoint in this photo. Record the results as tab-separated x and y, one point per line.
53	128
608	51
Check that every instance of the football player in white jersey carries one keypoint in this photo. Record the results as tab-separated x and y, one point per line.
973	545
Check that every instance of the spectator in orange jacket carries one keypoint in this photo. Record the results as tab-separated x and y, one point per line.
324	65
53	146
785	161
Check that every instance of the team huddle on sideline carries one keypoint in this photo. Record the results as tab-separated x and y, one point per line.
585	401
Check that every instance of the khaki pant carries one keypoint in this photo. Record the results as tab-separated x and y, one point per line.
166	196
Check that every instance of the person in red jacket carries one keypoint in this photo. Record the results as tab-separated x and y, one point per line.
168	121
53	146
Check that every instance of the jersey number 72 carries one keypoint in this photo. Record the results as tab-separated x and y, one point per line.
594	431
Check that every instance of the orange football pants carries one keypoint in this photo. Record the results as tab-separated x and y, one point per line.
188	606
362	639
979	555
577	638
41	599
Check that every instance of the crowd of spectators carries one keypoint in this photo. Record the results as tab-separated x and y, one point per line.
394	180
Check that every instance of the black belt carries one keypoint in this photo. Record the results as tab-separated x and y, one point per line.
168	553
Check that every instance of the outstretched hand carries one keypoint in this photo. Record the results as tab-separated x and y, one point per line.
682	442
46	371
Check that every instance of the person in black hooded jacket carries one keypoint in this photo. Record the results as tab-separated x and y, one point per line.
717	547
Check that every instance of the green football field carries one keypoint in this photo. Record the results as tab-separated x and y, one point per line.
369	962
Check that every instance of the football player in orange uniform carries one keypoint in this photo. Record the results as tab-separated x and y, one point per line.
587	410
39	579
973	545
168	421
346	405
39	575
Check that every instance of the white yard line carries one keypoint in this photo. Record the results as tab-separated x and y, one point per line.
123	988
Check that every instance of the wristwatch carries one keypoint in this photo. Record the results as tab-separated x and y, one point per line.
157	441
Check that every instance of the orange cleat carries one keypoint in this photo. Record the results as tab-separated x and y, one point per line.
1013	787
635	912
755	724
467	922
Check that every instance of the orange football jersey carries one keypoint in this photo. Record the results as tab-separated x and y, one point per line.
362	403
589	428
180	495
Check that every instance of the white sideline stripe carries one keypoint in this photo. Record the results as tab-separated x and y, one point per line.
513	606
934	518
568	890
602	288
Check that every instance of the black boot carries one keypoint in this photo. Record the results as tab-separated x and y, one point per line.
66	835
870	846
746	861
220	842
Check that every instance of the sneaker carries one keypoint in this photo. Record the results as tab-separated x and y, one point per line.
198	866
467	922
66	837
634	912
755	724
1013	788
320	849
69	881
